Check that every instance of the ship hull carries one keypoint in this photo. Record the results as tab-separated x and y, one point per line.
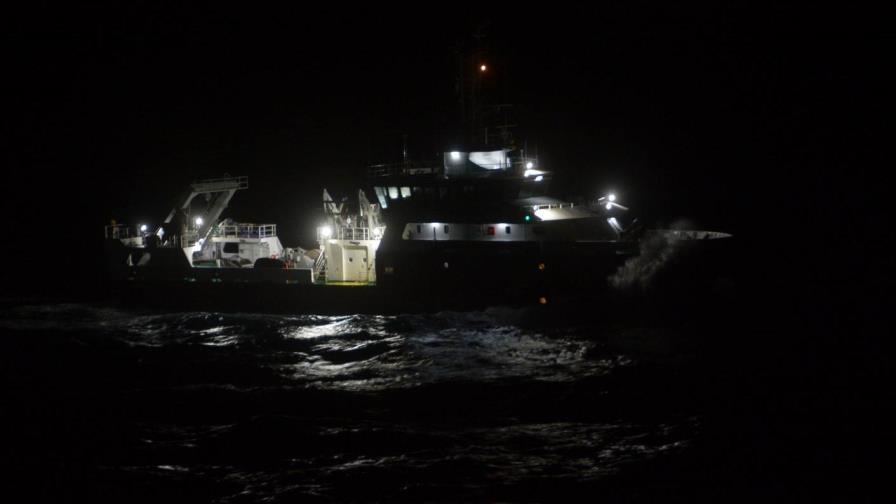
578	276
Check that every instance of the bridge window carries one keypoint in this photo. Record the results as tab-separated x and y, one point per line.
446	228
405	192
393	193
232	248
507	229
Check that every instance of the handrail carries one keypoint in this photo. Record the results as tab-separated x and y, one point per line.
395	169
320	264
117	231
245	230
346	233
518	164
553	205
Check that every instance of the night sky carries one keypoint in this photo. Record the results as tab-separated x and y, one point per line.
742	120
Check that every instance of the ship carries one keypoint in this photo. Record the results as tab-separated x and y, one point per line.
472	231
474	226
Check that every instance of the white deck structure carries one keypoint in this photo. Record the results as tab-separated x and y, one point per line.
348	242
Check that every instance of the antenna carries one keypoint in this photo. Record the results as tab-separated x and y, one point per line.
404	148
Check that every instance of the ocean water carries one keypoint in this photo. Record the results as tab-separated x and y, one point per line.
105	404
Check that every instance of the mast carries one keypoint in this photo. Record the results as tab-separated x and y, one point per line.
472	67
485	114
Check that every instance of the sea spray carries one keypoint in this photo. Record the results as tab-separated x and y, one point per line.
656	250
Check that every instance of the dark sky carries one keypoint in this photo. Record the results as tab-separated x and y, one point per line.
735	118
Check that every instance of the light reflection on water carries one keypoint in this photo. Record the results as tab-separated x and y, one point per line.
446	400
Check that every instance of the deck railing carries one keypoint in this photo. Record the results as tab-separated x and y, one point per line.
117	231
245	231
518	165
553	205
400	169
346	233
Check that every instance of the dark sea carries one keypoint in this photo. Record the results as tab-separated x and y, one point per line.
103	403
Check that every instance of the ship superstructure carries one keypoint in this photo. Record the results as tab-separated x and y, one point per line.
475	230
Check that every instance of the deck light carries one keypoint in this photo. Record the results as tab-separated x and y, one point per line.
455	156
539	178
326	231
608	206
143	228
199	221
482	67
530	165
611	197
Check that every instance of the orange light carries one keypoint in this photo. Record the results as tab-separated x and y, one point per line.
482	67
542	300
541	266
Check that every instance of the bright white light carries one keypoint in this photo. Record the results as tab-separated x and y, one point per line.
199	221
326	231
539	178
530	165
531	173
455	156
608	206
614	224
611	197
482	67
143	228
490	160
